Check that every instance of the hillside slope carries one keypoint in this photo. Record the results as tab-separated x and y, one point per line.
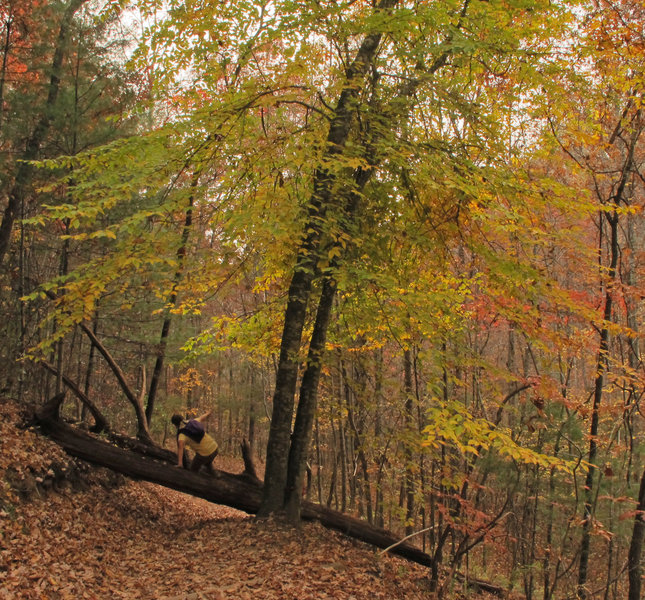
68	530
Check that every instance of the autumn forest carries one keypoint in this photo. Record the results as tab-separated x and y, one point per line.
397	247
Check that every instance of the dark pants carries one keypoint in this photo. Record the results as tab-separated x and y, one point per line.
200	461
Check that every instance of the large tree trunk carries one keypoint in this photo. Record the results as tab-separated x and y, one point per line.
303	425
242	492
285	388
306	266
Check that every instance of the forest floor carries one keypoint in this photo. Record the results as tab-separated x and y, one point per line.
121	539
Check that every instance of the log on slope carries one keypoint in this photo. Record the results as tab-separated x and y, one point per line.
242	491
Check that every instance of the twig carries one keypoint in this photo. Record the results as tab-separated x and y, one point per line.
407	537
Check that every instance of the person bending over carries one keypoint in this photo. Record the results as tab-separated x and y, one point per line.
191	433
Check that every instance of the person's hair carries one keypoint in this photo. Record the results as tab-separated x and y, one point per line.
176	419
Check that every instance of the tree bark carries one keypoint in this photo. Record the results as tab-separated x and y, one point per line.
285	388
301	437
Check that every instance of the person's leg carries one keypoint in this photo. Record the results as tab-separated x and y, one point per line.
209	462
198	462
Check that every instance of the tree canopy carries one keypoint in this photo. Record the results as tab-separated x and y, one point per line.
399	242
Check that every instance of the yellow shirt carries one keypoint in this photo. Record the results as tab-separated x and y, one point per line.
204	448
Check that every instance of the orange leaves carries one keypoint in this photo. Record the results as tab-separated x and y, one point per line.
143	541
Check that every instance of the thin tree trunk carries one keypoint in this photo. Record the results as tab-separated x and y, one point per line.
35	140
90	364
379	517
335	443
601	370
634	557
602	365
319	464
5	56
64	266
172	303
409	469
143	433
343	462
546	561
252	406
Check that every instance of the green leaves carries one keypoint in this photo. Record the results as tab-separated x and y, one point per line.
451	424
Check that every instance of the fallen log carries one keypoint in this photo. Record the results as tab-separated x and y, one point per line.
242	491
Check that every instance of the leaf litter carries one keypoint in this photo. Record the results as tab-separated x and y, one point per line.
122	539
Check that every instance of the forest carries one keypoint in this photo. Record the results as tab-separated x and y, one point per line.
397	247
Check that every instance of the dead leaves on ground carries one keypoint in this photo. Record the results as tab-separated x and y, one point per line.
141	541
144	541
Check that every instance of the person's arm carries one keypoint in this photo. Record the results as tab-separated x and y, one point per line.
204	416
180	452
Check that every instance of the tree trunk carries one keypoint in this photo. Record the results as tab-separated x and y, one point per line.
90	364
634	567
299	293
172	303
5	56
285	387
143	433
35	140
303	425
601	369
616	199
407	452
